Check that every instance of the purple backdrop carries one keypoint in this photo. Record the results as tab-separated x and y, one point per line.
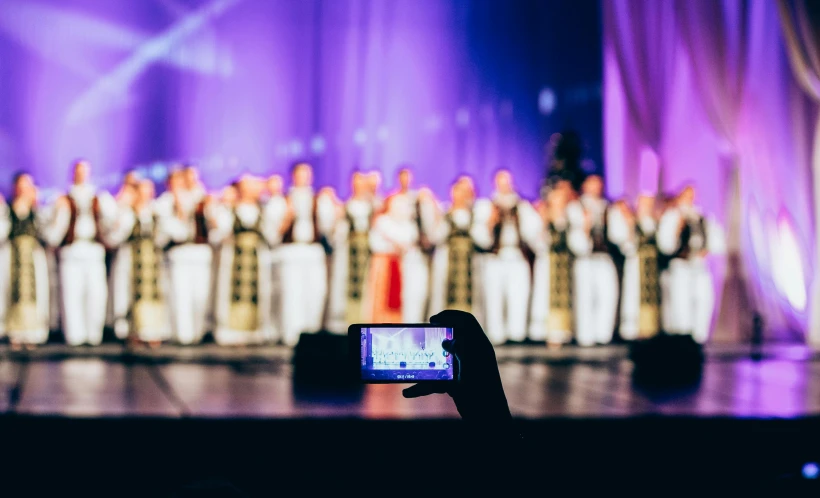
712	92
252	85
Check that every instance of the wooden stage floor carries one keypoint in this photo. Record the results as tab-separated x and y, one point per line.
214	383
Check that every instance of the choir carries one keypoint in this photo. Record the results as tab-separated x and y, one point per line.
258	264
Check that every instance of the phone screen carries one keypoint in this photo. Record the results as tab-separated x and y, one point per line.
405	354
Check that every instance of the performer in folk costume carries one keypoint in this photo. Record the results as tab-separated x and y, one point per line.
124	197
453	272
275	205
595	276
635	236
139	284
243	292
80	221
351	257
24	295
688	237
479	254
415	261
552	294
184	221
514	230
302	257
196	195
394	234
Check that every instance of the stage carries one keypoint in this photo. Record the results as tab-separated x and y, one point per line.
148	423
212	382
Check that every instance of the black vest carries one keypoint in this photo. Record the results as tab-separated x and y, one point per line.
558	238
690	230
23	226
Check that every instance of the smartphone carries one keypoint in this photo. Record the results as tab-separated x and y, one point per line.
386	353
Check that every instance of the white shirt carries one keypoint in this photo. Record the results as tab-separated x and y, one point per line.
461	218
21	212
359	210
301	199
403	205
85	226
247	214
509	236
391	236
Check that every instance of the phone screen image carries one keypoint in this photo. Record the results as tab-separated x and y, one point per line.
405	354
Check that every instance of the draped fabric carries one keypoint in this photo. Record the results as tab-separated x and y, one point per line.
641	36
705	87
716	37
800	20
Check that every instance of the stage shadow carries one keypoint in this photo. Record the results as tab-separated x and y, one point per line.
321	371
667	367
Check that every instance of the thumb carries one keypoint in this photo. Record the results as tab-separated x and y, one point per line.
425	389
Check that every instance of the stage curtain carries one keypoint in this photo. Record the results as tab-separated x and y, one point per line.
720	109
642	37
716	38
800	21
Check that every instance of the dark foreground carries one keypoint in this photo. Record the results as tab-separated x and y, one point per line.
182	422
161	457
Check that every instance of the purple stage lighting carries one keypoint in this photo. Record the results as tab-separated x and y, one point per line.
343	83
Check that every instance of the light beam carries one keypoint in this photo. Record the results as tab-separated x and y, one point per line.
113	87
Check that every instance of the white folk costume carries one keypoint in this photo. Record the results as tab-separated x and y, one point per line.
640	287
552	293
189	257
302	264
139	284
508	267
111	256
193	198
350	259
482	237
391	238
275	209
25	291
243	283
416	258
688	286
594	276
454	274
78	232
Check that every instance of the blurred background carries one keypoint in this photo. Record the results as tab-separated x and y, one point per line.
720	94
660	95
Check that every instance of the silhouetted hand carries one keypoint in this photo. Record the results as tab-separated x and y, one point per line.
477	392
